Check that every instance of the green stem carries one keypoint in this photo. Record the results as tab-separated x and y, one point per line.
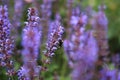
63	70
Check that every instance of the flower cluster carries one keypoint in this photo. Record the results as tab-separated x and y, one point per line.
31	42
45	16
6	42
53	24
87	49
46	8
116	60
17	12
54	41
108	73
81	49
100	27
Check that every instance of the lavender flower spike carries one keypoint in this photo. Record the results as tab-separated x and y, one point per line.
81	49
100	26
30	42
6	43
18	8
54	41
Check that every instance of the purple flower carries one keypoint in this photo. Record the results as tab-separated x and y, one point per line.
81	49
31	42
46	8
109	74
18	9
100	27
6	42
53	24
54	40
116	60
45	16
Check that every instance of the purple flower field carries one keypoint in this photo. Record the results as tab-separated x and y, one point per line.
59	40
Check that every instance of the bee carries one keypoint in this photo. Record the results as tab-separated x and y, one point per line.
60	43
